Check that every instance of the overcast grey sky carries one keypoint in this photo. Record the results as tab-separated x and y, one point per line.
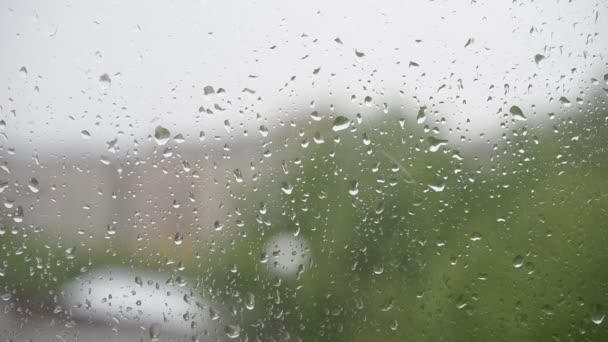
160	55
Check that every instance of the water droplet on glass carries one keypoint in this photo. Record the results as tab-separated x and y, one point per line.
233	331
287	187
85	134
378	269
565	102
70	253
263	131
178	239
23	71
340	123
316	116
208	90
154	332
421	117
18	215
238	176
139	281
179	138
475	236
518	261
249	301
437	187
436	143
105	81
110	230
33	185
353	188
517	113
161	135
598	314
538	59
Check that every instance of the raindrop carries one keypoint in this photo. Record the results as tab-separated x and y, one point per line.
263	131
23	71
33	185
287	187
249	301
475	236
154	332
353	188
437	187
208	90
178	239
316	116
238	176
18	215
421	117
436	143
85	134
565	102
598	314
233	331
139	281
110	230
105	81
517	113
518	261
378	269
340	123
538	59
161	135
70	253
179	139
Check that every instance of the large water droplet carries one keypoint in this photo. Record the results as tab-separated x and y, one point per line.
249	301
18	215
233	331
287	187
564	101
179	238
154	332
517	113
598	314
70	253
538	59
161	135
378	269
437	187
518	261
436	143
105	81
340	123
353	188
421	117
33	185
316	116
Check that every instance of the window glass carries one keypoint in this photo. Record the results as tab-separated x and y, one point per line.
304	171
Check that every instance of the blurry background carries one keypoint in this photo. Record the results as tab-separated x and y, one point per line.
303	171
